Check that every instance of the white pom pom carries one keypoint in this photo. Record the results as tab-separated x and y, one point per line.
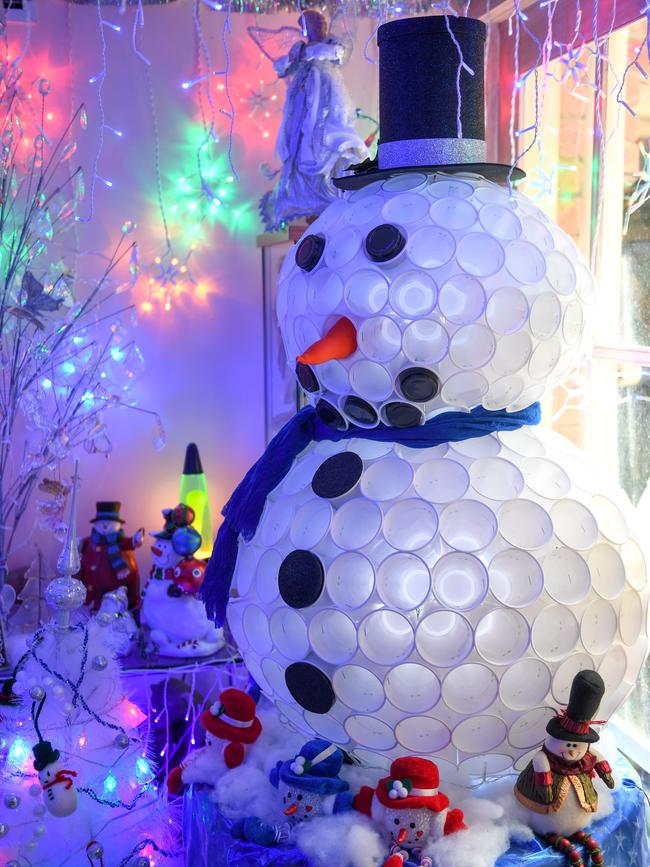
393	794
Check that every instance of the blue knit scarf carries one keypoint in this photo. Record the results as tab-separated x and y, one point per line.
243	510
112	542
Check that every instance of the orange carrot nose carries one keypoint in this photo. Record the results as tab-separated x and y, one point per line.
339	342
291	809
403	833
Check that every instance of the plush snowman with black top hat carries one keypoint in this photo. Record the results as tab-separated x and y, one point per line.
59	791
412	567
557	785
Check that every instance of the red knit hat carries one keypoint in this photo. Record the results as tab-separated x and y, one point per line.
412	785
232	718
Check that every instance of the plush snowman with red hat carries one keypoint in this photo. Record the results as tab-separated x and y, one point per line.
408	804
232	719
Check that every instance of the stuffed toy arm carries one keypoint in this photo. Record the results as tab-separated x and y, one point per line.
454	822
253	829
543	778
603	769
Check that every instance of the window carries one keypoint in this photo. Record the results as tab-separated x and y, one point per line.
595	188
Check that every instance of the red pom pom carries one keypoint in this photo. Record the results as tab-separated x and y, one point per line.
233	755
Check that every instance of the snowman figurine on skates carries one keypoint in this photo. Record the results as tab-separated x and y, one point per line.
412	566
171	608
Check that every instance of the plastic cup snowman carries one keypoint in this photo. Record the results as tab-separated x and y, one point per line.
417	569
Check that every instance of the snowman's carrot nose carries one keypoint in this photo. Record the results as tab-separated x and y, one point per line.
339	342
291	809
402	835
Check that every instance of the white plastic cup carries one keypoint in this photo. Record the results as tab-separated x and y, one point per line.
422	735
525	684
413	294
607	571
370	732
462	299
310	524
468	525
525	262
460	581
502	636
598	626
371	381
410	525
470	688
430	247
379	338
500	221
453	213
506	310
406	207
333	636
516	578
496	478
412	688
441	480
555	633
366	292
403	581
444	638
289	633
574	524
525	524
480	255
350	580
386	479
386	637
358	688
355	524
472	346
479	734
425	341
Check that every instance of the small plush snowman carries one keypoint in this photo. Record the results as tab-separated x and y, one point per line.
408	804
114	609
231	719
557	785
177	619
310	786
59	792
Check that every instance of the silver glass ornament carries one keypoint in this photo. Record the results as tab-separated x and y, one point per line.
4	829
121	741
143	862
65	594
39	830
39	810
37	693
35	790
99	662
104	618
12	800
95	849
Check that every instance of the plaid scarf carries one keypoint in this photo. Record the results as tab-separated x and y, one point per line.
112	542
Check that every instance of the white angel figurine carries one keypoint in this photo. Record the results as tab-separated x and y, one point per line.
317	140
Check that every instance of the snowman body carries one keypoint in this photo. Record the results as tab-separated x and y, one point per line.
437	600
59	792
179	624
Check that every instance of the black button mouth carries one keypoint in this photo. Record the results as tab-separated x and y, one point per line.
418	384
360	411
384	242
307	378
403	415
309	252
330	415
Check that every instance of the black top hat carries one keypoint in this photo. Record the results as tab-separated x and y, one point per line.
575	722
418	104
44	755
107	511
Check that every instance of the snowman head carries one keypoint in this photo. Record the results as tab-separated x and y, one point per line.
300	804
431	291
164	555
106	526
409	827
49	772
570	750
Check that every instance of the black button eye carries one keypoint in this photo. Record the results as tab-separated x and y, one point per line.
306	377
418	384
396	821
384	242
412	825
309	252
288	794
298	797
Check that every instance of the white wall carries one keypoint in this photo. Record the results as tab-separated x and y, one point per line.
204	357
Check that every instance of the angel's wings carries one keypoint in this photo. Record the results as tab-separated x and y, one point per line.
275	43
